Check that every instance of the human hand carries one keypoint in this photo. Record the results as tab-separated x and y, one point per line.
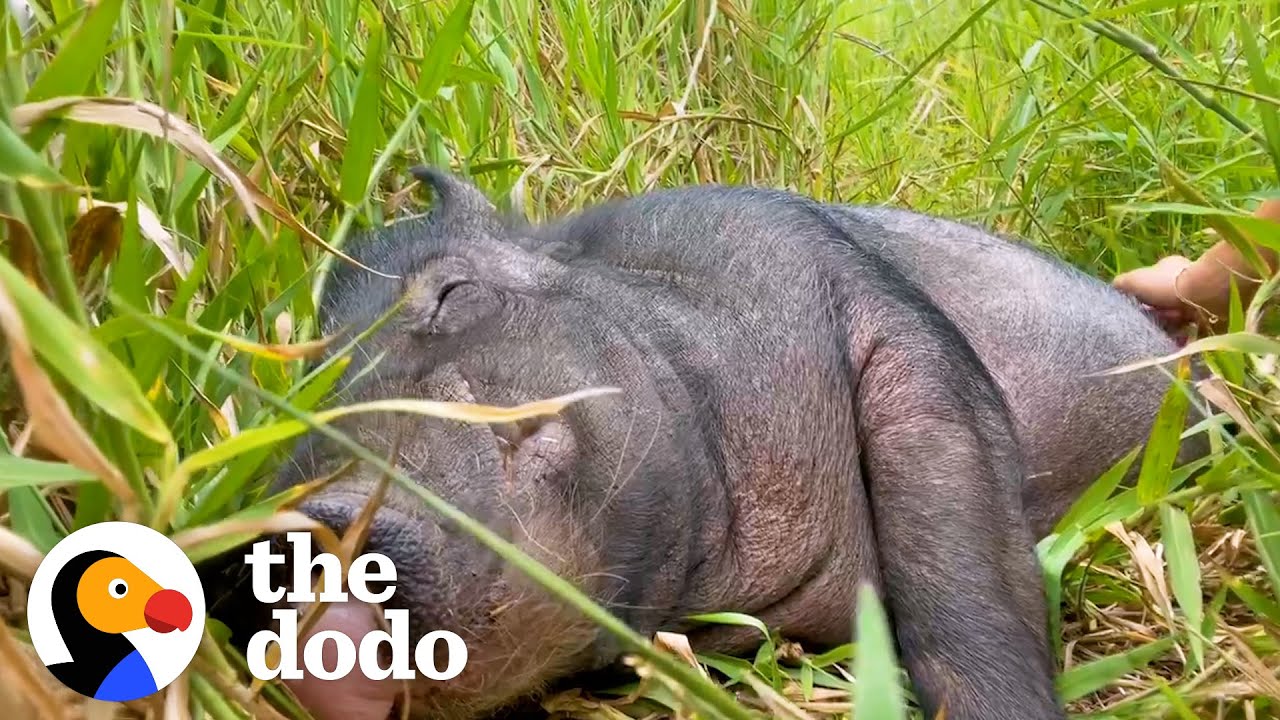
1157	287
1181	292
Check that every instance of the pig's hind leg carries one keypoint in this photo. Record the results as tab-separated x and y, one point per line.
943	475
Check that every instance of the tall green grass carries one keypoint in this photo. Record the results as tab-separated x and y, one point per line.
1110	133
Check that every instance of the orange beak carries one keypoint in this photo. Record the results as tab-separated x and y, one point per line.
167	610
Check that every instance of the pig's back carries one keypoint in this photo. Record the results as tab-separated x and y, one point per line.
748	259
1041	326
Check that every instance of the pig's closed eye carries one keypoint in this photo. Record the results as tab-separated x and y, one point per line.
448	288
458	304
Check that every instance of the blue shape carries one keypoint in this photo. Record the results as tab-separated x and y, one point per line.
130	679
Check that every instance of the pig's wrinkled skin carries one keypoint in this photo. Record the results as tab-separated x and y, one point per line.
800	413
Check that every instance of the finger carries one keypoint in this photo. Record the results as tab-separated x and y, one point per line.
1154	285
353	697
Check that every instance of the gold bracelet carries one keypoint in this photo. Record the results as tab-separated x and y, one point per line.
1210	316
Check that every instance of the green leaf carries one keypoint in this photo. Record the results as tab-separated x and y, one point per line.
1162	446
1257	601
1134	8
24	472
439	57
244	442
1262	83
879	693
1242	342
308	393
223	492
20	164
732	618
468	412
32	518
733	668
766	663
1184	574
218	630
80	360
229	485
1055	551
217	546
1264	521
821	678
1098	492
1092	676
195	23
73	67
1175	701
841	654
93	505
366	123
896	93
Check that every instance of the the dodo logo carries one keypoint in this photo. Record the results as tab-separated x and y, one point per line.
116	611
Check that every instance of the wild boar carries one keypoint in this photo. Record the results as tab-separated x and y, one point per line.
813	396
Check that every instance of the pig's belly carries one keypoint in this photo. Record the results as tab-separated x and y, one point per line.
818	613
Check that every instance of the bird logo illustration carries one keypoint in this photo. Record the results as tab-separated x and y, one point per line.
116	613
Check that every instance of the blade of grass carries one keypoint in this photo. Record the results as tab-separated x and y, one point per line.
886	102
1151	55
366	122
1263	84
20	164
1090	677
1264	522
1184	575
32	518
80	360
879	690
55	428
1162	446
66	74
24	472
1098	492
439	57
1241	342
460	411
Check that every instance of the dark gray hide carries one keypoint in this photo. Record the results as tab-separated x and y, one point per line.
801	413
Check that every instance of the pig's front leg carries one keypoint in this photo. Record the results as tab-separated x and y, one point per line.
943	476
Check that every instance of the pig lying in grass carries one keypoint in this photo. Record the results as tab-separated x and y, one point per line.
814	396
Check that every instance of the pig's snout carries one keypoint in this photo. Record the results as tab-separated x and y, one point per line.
389	530
398	537
391	534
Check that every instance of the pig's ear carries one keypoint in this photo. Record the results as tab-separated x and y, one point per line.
458	201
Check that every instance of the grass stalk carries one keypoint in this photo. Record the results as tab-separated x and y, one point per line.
1151	55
